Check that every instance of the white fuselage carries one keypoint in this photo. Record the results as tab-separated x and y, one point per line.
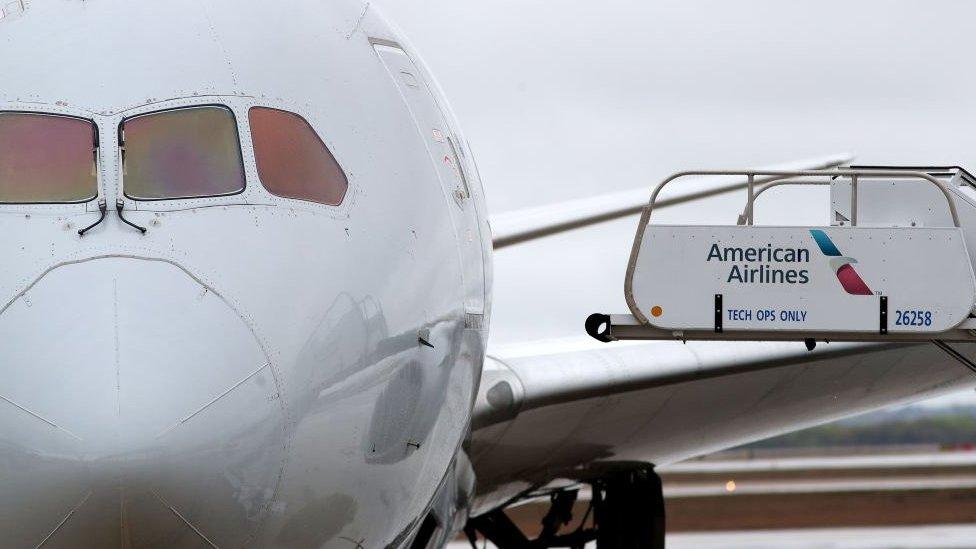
252	370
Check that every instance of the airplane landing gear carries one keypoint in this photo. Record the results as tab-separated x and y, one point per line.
631	513
626	512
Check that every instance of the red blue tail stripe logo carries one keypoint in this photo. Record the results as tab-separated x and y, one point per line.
842	266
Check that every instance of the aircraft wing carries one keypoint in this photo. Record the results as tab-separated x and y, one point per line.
519	226
565	409
572	410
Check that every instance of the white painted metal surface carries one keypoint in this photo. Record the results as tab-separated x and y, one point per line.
269	372
664	402
802	279
249	371
887	203
807	280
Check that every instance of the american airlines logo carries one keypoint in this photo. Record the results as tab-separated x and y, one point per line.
842	266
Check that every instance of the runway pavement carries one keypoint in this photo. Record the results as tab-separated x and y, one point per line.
918	500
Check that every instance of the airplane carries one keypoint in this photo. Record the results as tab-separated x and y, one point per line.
247	294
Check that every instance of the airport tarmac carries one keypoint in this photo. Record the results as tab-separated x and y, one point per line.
907	500
952	536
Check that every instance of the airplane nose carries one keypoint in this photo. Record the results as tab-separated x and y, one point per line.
137	409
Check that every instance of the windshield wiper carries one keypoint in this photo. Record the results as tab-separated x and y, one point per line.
102	207
119	206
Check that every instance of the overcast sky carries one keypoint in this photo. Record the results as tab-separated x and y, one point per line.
570	99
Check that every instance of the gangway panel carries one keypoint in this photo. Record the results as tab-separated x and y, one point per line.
898	280
802	279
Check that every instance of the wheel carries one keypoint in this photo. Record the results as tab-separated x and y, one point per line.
630	511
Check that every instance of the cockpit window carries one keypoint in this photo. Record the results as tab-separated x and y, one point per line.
46	158
190	152
293	161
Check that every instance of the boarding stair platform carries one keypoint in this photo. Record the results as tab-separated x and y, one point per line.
894	264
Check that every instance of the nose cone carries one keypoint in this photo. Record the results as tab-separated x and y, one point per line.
137	409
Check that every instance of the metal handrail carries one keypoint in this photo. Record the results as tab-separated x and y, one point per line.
763	177
747	213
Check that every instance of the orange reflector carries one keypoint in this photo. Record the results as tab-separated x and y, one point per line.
657	311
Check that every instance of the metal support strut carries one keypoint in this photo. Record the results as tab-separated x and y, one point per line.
626	511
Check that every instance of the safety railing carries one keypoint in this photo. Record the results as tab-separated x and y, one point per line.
768	179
